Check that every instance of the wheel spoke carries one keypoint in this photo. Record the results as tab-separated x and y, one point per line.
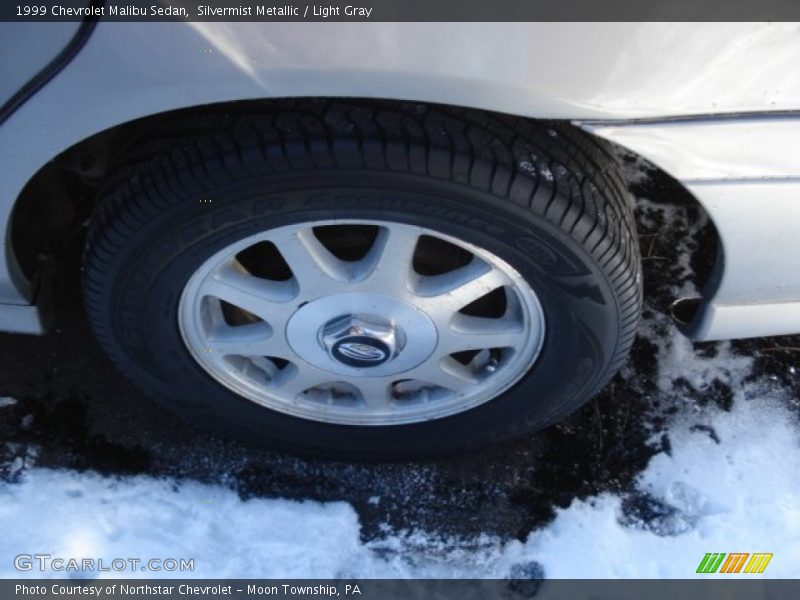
447	373
254	339
266	299
389	263
312	264
452	291
299	377
476	333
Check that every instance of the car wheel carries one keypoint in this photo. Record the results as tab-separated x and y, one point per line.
365	279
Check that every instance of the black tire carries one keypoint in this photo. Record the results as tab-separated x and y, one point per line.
545	197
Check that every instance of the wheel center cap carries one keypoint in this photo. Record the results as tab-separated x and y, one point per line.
361	341
361	334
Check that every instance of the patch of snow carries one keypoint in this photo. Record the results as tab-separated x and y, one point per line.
531	169
71	514
740	494
85	515
16	465
678	359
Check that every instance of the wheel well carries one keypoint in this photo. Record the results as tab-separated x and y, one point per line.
676	234
56	203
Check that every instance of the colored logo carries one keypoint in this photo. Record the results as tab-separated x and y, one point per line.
736	562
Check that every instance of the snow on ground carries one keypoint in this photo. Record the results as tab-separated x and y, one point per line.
740	494
729	484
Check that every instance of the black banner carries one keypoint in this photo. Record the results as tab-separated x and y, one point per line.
401	10
410	589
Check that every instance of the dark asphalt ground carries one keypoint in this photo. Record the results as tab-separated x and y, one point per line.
76	411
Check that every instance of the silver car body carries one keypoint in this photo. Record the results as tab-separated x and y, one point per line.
716	105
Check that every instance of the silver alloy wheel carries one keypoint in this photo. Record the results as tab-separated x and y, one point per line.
360	341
